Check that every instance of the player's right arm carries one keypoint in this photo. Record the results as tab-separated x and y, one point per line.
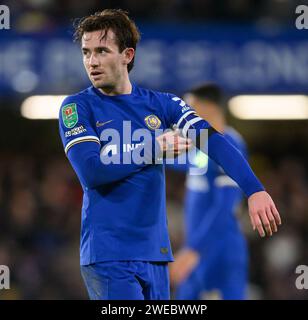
82	146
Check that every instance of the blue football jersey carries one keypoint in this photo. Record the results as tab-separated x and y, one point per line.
123	211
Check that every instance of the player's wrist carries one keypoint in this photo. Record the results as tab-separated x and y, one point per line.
253	187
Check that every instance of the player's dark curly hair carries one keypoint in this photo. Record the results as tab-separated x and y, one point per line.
118	21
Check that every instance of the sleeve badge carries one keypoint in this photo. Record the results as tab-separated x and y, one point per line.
152	122
70	115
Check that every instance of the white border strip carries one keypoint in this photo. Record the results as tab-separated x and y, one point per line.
190	123
183	117
80	139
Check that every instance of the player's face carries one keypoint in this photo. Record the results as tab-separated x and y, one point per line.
105	65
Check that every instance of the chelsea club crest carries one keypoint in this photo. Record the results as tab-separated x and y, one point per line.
152	122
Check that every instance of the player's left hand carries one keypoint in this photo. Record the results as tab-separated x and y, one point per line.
185	261
263	213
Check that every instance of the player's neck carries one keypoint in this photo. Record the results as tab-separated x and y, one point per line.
122	87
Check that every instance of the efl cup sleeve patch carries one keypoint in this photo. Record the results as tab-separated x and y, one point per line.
70	115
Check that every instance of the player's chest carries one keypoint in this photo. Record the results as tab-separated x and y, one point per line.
127	119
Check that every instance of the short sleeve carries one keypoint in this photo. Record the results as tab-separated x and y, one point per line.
75	123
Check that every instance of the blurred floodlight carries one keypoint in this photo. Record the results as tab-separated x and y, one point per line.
42	107
269	107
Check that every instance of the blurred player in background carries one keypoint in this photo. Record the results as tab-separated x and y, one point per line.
125	246
215	252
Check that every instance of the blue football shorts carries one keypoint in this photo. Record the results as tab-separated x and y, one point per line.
127	280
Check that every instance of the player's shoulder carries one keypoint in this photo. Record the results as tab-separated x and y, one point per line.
78	97
81	101
160	95
76	104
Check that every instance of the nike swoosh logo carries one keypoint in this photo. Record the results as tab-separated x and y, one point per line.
100	124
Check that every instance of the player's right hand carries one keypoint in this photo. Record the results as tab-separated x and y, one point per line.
172	144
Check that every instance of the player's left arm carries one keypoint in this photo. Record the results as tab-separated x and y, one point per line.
262	210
